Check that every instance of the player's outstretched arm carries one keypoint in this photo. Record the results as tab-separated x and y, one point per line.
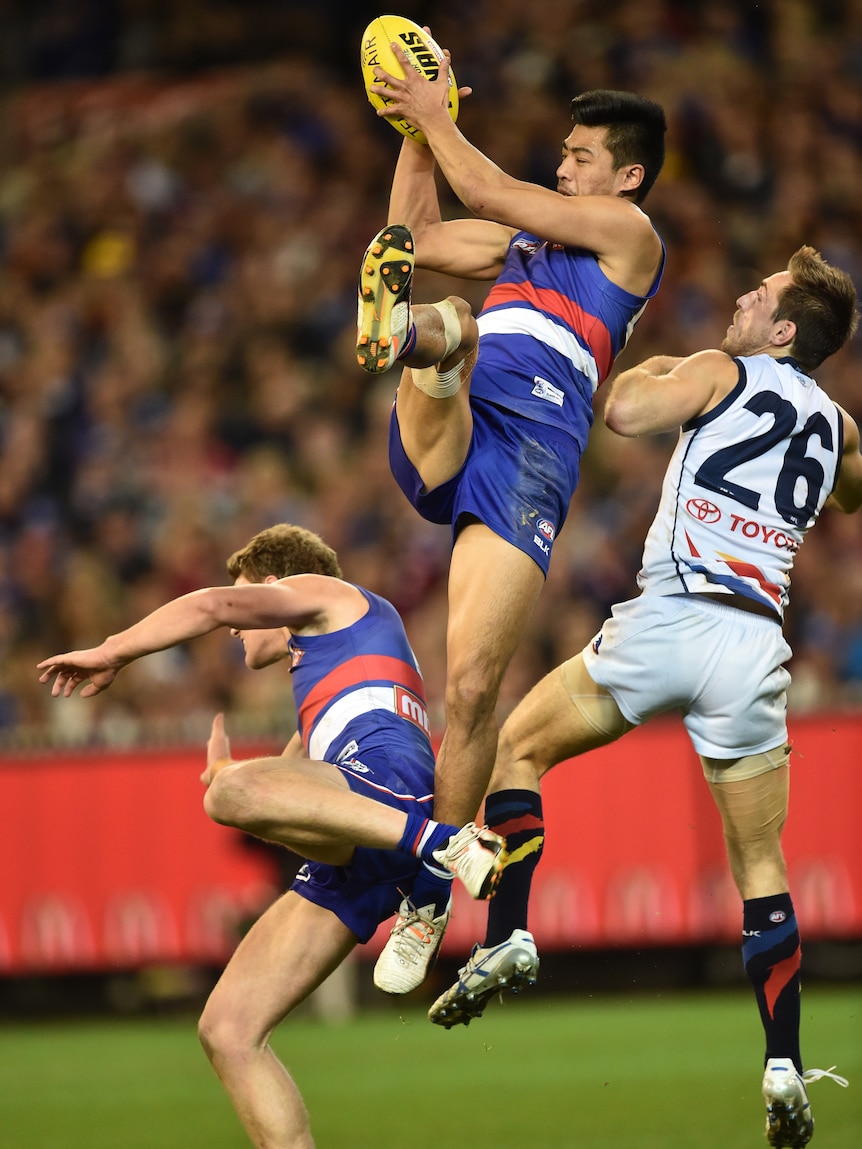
294	602
847	495
664	392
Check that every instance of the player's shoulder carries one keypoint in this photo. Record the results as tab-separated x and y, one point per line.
710	362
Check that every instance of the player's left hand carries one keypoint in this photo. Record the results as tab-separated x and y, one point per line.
218	750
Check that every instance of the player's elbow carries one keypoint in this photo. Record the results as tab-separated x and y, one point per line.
621	417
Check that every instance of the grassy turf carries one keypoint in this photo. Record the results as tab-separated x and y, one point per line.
670	1071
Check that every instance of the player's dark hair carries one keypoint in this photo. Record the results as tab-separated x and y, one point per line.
283	550
822	302
635	126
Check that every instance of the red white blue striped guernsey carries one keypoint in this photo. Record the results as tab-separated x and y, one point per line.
360	698
550	330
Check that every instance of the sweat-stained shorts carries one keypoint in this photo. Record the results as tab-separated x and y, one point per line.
518	479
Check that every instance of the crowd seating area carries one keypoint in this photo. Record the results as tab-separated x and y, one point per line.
181	224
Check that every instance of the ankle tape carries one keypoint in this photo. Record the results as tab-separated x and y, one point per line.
451	327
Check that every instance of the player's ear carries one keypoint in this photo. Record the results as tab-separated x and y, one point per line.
783	332
631	177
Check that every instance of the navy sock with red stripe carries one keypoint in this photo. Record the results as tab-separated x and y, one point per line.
423	835
517	815
771	954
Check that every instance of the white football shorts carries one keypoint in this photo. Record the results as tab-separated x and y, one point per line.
720	667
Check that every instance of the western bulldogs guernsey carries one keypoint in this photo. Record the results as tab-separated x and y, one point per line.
550	330
360	699
743	486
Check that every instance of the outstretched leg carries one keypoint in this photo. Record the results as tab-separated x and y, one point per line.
310	808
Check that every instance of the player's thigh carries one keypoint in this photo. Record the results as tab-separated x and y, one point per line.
286	954
435	433
564	715
751	794
493	589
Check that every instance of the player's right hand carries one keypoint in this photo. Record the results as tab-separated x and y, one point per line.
69	671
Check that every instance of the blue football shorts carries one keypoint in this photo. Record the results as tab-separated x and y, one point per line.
518	479
369	890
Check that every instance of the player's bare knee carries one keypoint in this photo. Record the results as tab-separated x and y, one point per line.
471	696
229	797
222	1034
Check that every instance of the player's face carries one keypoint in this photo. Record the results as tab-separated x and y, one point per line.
262	647
752	324
587	167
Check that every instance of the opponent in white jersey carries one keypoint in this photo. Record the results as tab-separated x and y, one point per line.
746	481
762	449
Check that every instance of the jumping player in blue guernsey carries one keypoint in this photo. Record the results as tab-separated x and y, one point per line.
492	413
351	793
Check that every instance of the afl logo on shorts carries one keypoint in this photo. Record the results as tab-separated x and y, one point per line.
545	528
703	510
777	916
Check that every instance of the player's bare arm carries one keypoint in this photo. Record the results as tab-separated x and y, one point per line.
619	233
847	495
664	392
466	248
303	603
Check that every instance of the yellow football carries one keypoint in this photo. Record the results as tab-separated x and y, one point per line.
422	52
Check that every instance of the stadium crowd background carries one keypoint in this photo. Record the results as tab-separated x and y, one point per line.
186	190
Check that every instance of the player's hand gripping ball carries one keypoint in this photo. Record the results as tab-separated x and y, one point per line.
423	53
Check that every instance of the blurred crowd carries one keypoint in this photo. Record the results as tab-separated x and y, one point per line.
186	191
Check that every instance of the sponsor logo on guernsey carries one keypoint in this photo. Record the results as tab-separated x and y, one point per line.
777	916
411	707
542	389
754	530
703	510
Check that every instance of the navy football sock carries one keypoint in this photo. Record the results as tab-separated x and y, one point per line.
433	886
423	835
517	815
771	954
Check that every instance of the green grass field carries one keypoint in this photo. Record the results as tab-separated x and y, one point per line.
670	1070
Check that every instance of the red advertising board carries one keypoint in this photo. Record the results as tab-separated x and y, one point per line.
108	861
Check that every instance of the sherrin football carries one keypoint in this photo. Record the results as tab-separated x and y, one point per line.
422	52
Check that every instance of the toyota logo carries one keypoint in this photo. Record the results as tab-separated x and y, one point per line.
703	510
